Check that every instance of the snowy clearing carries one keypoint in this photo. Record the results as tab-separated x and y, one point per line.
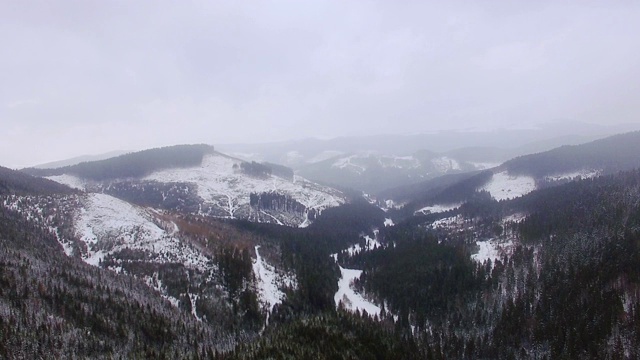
266	282
370	244
221	184
491	250
437	208
69	180
484	165
505	187
444	164
107	224
448	223
517	217
349	298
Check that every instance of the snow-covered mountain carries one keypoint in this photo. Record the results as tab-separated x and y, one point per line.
214	185
521	175
176	254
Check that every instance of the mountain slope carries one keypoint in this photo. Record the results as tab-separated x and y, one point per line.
55	306
197	180
15	182
134	165
522	175
609	155
372	173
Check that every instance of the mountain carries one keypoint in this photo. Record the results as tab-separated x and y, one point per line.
535	258
56	306
196	179
376	163
521	175
16	183
538	137
80	159
372	173
552	274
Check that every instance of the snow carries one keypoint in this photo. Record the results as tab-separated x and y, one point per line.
582	174
388	222
444	164
107	224
517	217
437	208
306	221
224	187
491	250
349	298
267	282
69	180
155	283
504	186
346	162
390	204
66	246
448	223
484	165
370	244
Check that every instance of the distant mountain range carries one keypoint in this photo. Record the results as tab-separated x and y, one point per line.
523	174
375	163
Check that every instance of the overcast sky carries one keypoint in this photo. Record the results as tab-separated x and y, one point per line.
85	77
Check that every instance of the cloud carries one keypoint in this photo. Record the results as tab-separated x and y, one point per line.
140	74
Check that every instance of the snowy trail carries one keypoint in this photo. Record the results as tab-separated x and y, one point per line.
345	294
266	279
349	298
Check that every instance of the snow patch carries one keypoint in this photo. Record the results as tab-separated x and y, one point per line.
267	282
444	164
388	222
69	180
438	208
346	163
484	165
448	223
505	187
349	298
518	217
222	185
582	174
107	224
491	250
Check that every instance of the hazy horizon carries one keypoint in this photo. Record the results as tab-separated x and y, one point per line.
93	77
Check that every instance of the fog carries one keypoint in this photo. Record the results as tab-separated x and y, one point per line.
86	77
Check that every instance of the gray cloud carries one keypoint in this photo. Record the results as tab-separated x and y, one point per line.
92	76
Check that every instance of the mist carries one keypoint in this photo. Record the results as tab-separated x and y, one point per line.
93	77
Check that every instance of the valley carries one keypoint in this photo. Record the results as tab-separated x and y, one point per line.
257	254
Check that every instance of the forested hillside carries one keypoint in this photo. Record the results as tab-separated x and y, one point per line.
133	165
608	155
552	274
55	306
